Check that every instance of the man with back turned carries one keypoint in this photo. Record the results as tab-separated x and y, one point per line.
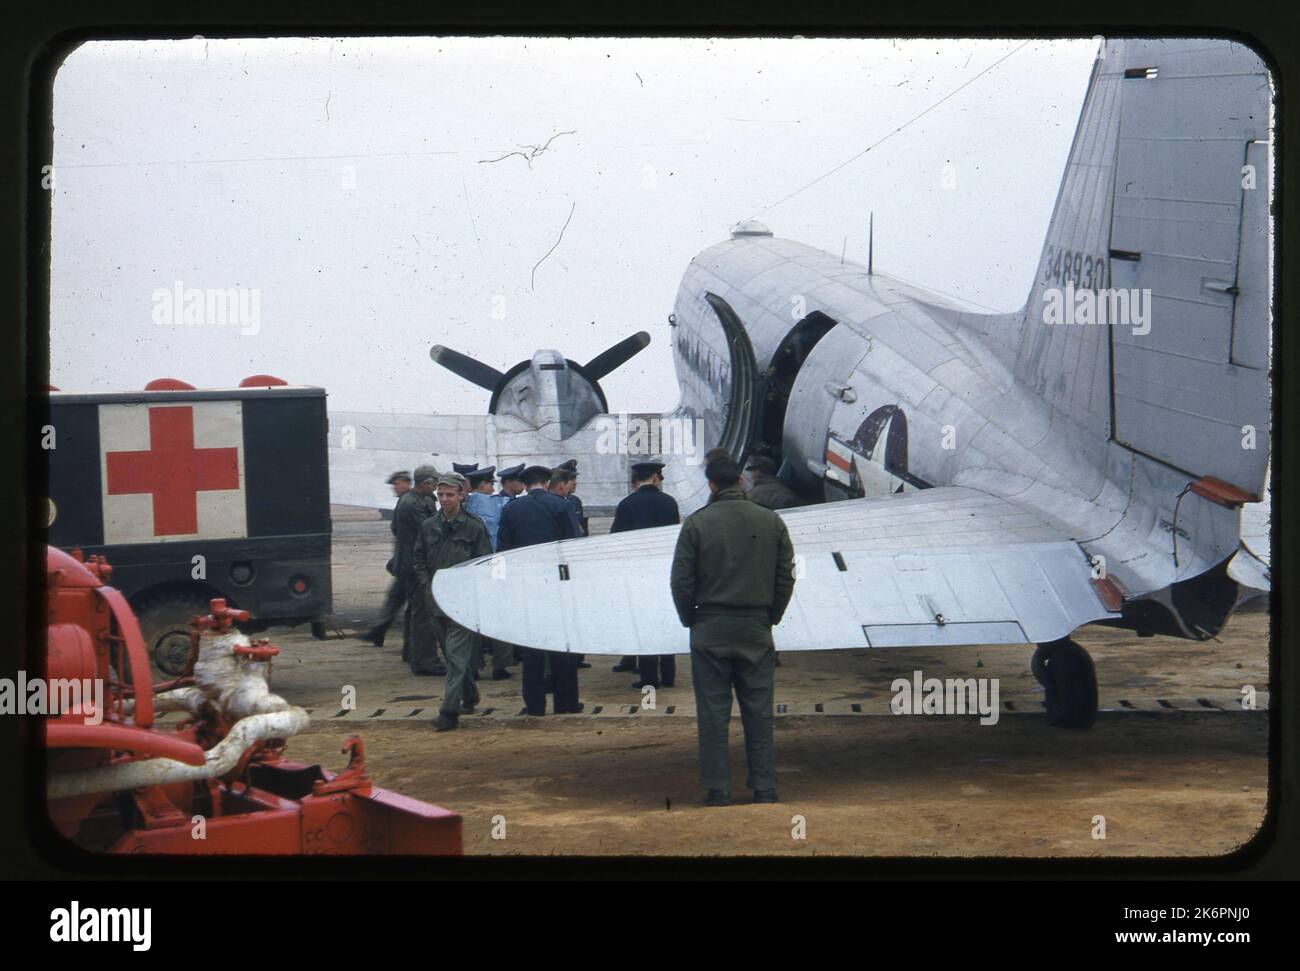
732	578
540	517
647	507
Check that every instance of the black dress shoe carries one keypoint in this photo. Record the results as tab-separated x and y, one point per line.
372	637
717	797
571	711
535	714
501	674
444	724
765	795
584	664
622	666
638	685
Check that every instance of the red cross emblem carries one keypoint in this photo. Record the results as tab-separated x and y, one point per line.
173	471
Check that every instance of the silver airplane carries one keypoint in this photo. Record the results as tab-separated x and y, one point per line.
977	478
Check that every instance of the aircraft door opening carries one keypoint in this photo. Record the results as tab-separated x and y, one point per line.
784	368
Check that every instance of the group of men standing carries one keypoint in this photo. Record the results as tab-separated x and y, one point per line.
731	580
446	518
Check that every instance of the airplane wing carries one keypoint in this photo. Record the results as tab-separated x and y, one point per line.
947	565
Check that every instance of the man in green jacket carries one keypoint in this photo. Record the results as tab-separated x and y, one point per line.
448	537
732	578
420	642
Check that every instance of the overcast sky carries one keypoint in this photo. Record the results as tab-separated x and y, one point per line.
349	184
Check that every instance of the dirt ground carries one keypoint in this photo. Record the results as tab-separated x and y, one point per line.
1174	765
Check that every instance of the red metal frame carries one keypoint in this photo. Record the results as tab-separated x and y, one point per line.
266	806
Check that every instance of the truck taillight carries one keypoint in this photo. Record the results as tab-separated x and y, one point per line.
300	585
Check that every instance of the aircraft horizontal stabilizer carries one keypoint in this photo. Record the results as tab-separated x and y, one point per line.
939	566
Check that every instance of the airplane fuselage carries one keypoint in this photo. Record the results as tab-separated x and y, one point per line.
860	385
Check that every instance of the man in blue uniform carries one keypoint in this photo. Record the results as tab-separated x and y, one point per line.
571	494
512	481
539	517
561	486
512	487
482	501
486	505
646	508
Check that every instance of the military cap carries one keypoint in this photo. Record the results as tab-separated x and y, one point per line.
463	469
514	472
536	473
423	472
398	475
643	470
453	479
481	475
570	466
761	463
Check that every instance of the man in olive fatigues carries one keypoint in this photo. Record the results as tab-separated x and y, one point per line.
412	510
732	578
448	537
395	599
768	490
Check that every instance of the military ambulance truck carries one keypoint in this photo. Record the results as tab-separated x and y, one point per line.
193	494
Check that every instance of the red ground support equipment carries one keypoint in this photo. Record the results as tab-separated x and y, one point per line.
216	782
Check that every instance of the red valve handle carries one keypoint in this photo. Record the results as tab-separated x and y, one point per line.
262	650
221	617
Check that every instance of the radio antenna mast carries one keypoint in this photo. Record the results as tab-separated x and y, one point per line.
871	233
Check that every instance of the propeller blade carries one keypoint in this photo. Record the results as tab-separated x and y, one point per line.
616	356
475	372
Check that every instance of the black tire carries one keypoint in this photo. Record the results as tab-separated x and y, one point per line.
1038	664
1071	685
165	624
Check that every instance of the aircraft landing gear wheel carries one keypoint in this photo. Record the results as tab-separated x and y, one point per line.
1038	665
1069	681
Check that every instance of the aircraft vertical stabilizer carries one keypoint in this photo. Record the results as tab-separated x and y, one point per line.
1148	320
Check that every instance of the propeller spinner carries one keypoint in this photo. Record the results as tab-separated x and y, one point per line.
551	393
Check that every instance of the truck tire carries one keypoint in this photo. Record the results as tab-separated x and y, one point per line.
165	624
